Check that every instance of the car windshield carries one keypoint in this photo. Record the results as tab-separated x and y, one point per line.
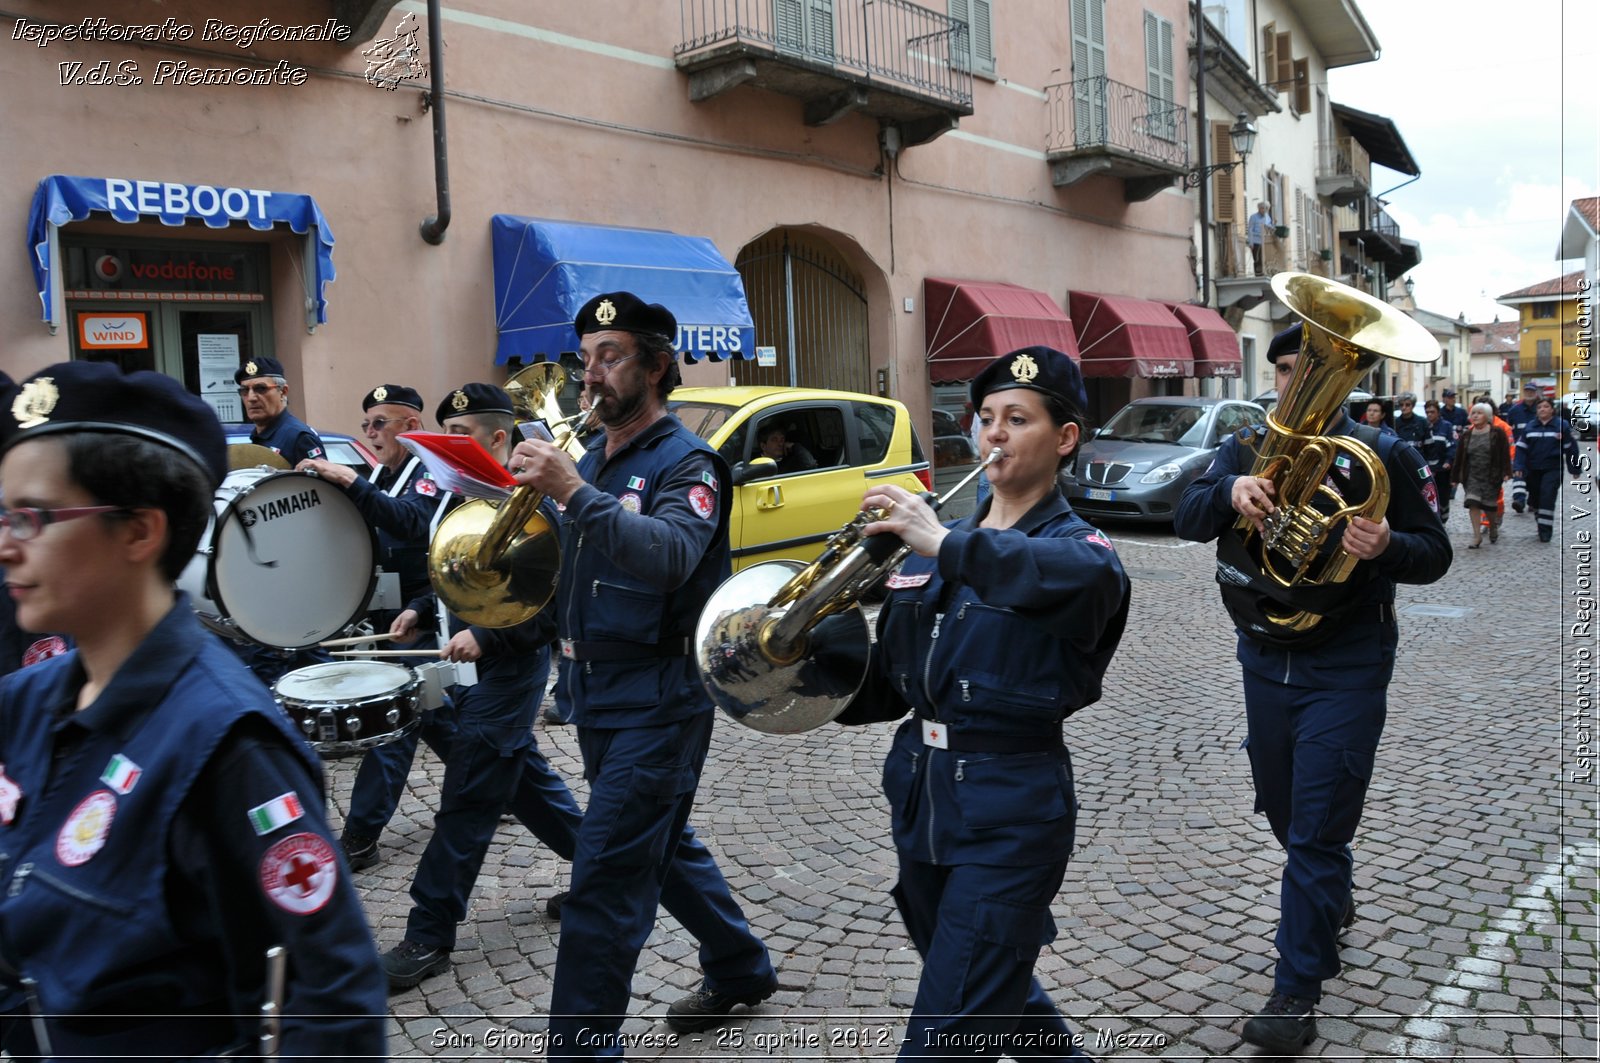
702	418
1157	422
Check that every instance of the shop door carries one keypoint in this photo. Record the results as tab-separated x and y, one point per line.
209	345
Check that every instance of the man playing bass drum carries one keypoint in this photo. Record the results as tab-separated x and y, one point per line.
996	629
1315	700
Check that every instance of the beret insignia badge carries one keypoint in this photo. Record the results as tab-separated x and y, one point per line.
458	401
35	402
606	312
380	393
1024	369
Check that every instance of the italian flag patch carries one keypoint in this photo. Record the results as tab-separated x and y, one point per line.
121	774
636	483
264	819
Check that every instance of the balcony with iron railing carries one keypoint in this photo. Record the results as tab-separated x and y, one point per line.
1103	127
1344	170
1377	233
905	65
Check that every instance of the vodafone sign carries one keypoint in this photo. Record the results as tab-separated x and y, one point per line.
112	332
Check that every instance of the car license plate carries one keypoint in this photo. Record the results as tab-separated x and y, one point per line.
1102	496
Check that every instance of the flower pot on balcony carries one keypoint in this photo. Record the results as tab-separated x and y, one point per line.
1281	232
1326	254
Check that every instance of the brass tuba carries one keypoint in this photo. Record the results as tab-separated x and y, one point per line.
1346	332
496	564
758	662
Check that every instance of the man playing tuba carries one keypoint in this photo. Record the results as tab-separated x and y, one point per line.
1316	688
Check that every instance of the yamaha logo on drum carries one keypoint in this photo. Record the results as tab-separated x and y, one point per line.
283	506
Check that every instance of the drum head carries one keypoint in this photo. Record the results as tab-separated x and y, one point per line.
291	561
343	682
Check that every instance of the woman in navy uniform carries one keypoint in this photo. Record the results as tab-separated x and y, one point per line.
644	546
1315	701
1439	451
1545	440
401	501
265	394
493	756
162	825
997	629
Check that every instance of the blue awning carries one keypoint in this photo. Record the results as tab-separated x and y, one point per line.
545	270
60	199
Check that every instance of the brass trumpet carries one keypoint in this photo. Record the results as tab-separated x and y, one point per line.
759	662
496	564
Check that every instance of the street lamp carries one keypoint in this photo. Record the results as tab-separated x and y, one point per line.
1243	135
1411	286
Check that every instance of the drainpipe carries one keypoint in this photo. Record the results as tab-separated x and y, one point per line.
433	227
1203	136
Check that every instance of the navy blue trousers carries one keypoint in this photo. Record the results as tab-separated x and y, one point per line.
979	930
1311	756
381	778
1543	486
635	851
492	763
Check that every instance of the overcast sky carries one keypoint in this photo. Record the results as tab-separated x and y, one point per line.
1500	106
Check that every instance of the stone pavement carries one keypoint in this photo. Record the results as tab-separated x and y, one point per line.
1475	863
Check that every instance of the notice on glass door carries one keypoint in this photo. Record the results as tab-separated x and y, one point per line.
219	360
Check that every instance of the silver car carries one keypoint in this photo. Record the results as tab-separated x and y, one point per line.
1137	465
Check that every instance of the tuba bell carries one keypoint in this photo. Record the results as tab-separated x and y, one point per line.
495	564
1346	332
761	663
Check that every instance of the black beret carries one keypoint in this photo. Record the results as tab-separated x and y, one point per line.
1042	369
98	397
392	395
258	367
473	398
625	312
1285	342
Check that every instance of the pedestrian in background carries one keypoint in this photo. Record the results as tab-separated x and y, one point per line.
1408	423
1439	450
1545	441
1483	464
1518	417
1010	618
1450	411
1376	418
1256	233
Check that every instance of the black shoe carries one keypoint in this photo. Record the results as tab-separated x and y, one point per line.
1284	1027
1349	919
552	720
409	963
360	851
552	907
1518	506
705	1008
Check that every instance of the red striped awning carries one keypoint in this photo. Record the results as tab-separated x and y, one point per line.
1121	336
971	323
1212	339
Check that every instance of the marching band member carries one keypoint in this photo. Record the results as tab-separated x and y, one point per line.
1546	440
998	628
1315	700
265	393
493	754
161	823
403	503
645	545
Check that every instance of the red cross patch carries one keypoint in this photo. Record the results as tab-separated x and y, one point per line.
425	486
299	873
44	649
703	500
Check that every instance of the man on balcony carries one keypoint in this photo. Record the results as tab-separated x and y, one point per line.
1255	232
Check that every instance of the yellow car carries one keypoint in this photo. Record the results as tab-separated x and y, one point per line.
801	459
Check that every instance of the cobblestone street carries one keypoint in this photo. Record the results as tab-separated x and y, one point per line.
1475	862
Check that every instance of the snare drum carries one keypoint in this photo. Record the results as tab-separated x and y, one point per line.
286	562
347	707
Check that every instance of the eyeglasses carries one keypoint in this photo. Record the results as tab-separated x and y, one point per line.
25	524
602	369
257	389
377	424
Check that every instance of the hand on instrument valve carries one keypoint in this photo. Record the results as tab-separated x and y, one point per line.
909	517
1252	498
546	467
330	471
405	625
1366	539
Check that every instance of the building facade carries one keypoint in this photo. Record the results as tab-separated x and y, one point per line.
1553	321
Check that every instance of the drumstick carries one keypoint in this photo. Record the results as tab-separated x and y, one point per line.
356	640
421	652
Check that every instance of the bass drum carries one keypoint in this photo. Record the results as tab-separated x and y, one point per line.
286	562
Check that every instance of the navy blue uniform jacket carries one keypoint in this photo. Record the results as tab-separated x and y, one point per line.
1361	653
290	436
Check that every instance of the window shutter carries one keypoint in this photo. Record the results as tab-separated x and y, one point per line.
789	24
1302	86
1284	73
1301	210
982	37
1224	197
960	12
1269	52
821	28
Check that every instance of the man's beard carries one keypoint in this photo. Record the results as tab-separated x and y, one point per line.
615	409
